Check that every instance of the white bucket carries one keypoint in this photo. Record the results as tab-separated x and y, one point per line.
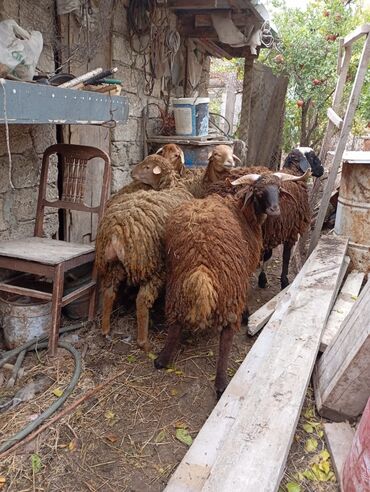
191	116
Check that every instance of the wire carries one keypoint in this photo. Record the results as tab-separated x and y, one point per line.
267	38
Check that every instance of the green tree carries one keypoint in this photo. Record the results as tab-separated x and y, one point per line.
307	52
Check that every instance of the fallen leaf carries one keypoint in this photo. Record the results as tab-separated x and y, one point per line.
210	353
2	479
320	433
309	413
324	455
293	487
36	463
183	436
58	392
152	356
308	428
354	298
173	392
311	445
110	437
181	425
131	358
109	415
170	369
72	446
160	436
212	378
309	475
179	372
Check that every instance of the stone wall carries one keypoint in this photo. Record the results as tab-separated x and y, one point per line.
27	142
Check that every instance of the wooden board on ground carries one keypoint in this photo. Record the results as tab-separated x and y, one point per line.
342	376
339	437
342	307
259	318
258	413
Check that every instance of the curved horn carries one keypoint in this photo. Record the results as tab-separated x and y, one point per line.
182	157
159	151
157	170
246	179
289	177
237	158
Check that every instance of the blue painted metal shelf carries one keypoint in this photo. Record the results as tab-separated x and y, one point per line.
30	103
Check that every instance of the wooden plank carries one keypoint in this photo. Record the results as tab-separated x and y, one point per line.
245	418
334	118
342	376
356	34
76	294
347	123
342	307
24	291
339	437
259	318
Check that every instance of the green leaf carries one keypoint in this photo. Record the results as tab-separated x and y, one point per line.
170	369
58	392
325	467
36	463
308	428
131	358
309	475
183	436
311	445
293	487
152	356
160	436
320	433
179	372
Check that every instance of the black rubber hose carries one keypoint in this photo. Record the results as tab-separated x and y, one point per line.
54	406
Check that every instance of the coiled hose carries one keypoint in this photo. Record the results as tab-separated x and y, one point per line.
35	345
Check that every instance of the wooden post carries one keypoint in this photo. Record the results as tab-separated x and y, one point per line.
246	100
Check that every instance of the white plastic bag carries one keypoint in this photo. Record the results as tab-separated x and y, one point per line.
19	50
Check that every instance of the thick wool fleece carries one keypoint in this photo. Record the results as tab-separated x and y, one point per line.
211	252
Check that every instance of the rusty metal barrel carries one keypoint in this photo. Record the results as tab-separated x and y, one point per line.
353	212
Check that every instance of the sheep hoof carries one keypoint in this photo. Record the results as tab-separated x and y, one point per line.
262	280
284	282
158	364
219	393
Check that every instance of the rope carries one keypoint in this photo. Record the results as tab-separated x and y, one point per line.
2	82
267	39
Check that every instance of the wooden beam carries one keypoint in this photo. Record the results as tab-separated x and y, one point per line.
245	441
338	437
334	118
213	49
198	5
356	34
342	307
342	376
24	291
260	317
240	20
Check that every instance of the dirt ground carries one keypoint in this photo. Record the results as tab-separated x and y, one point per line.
124	438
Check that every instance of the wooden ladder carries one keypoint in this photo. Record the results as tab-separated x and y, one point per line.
335	121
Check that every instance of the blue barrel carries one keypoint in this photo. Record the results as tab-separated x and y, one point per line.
191	116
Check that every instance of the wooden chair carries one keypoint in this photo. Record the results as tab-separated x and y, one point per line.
52	258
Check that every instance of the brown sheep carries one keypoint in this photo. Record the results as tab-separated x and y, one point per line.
294	218
130	238
221	161
213	246
172	153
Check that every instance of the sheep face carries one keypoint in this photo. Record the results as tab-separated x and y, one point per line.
264	190
222	157
303	158
151	170
174	155
315	163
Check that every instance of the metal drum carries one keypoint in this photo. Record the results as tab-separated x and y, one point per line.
353	212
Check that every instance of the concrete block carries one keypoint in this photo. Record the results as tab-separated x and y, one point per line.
19	139
127	132
26	169
120	177
24	203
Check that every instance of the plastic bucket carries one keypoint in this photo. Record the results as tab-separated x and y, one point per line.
191	116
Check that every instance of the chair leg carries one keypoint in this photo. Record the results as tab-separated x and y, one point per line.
93	295
56	308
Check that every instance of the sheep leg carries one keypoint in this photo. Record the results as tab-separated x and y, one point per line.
262	279
145	299
108	300
245	316
226	341
172	342
286	259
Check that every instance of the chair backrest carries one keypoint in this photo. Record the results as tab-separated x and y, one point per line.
74	160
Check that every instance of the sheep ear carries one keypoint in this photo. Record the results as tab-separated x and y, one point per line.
209	155
236	158
182	157
289	177
157	170
159	151
246	179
